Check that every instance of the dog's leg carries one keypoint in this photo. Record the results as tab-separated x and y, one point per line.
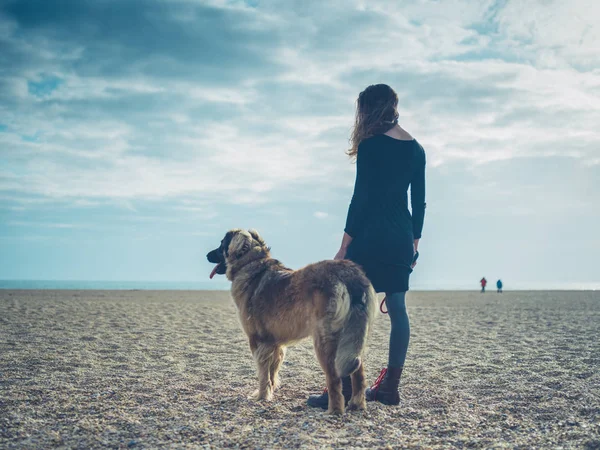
264	356
278	356
253	346
326	350
358	389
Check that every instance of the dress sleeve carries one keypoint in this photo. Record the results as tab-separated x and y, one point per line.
417	192
357	212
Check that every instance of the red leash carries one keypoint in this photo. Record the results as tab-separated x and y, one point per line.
381	305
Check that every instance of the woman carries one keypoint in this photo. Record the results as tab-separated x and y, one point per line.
381	234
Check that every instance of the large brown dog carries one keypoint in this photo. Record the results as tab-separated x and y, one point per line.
332	301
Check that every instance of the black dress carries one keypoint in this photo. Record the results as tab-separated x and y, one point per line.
379	222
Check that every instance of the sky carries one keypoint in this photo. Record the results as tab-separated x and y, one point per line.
134	134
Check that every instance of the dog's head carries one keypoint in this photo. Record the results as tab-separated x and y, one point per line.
234	246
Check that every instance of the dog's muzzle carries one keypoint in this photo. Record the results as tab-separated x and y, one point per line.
216	257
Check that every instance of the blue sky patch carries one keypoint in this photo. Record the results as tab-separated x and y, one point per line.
30	137
45	86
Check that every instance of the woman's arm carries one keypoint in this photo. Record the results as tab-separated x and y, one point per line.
346	239
357	211
417	195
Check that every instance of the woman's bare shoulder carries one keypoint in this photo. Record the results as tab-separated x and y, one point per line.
399	133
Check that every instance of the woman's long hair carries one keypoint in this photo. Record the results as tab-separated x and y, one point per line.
376	113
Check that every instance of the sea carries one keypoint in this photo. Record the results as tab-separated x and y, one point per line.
214	285
222	284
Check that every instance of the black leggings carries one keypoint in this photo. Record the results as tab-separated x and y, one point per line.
400	333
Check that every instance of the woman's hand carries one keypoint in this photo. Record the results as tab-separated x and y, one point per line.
341	254
416	247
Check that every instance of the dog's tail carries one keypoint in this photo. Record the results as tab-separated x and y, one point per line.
355	311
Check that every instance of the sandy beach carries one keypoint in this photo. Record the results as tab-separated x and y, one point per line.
142	369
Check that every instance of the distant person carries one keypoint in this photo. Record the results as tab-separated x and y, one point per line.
499	286
382	234
483	282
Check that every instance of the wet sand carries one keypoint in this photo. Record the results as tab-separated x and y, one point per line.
141	369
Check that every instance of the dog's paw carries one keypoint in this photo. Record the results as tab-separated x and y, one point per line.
254	396
358	405
335	412
267	395
276	384
259	396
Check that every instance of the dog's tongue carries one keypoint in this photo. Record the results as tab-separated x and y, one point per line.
214	271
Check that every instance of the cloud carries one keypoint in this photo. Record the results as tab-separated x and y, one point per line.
321	215
553	33
41	224
249	103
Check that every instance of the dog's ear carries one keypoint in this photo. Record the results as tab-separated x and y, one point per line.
240	244
257	238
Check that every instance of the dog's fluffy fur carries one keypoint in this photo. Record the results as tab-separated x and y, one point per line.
332	301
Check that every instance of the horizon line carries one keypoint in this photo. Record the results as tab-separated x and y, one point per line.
224	285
